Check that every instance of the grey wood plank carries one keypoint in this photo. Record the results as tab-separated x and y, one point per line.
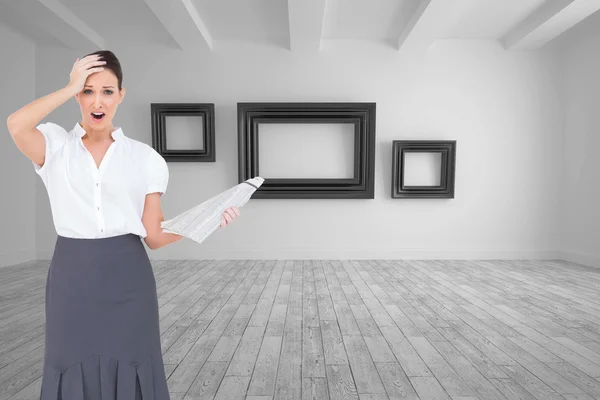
452	383
578	377
205	385
315	389
22	363
20	381
276	322
475	357
428	388
511	389
313	357
288	385
233	388
480	385
341	383
31	391
396	383
225	348
531	383
244	358
379	349
265	370
183	376
365	374
333	344
405	353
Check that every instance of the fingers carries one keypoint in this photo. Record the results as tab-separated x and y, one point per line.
93	64
232	212
92	59
228	216
93	70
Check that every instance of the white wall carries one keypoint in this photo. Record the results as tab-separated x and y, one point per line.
502	108
17	202
579	52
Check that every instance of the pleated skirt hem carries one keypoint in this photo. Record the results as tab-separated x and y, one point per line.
103	377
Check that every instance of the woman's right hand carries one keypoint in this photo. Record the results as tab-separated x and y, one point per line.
82	68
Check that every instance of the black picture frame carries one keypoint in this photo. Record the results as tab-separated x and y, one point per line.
361	115
445	190
159	111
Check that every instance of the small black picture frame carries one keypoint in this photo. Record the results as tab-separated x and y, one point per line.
445	190
361	115
159	111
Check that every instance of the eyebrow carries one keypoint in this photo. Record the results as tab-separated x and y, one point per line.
102	86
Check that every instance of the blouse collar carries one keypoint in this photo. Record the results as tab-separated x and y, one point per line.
117	134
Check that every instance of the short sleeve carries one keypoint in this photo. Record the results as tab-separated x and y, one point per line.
55	136
157	173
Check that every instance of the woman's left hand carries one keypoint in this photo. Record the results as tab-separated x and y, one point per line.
229	215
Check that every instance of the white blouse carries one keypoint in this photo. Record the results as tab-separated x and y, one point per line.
88	202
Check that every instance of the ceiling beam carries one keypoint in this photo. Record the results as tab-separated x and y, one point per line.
56	20
183	22
305	19
428	22
551	19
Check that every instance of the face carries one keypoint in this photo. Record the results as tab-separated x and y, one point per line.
99	100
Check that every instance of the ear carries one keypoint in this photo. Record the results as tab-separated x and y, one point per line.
77	98
121	94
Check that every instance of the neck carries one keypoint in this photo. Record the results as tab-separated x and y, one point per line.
97	135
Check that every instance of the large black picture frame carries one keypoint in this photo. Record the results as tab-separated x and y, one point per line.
361	115
445	190
159	111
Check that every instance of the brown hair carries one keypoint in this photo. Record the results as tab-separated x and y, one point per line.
112	63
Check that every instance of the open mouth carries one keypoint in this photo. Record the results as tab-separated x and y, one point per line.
97	116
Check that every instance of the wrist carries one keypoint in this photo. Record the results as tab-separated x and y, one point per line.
71	89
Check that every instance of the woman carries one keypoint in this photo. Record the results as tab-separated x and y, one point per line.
102	321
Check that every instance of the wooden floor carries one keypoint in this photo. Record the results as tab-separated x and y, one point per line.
348	329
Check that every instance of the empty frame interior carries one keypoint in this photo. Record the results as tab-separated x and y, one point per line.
306	150
422	169
311	150
185	133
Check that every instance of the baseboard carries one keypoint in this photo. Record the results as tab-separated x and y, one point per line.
343	254
17	257
589	260
45	254
333	254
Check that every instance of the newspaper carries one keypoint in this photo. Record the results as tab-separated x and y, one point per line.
202	220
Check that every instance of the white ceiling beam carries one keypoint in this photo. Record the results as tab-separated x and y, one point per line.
551	19
58	21
183	22
305	19
429	21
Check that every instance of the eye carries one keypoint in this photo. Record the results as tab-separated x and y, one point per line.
87	91
108	91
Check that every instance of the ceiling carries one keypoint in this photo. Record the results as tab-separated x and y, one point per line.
295	25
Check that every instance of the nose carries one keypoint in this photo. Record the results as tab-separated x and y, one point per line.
97	100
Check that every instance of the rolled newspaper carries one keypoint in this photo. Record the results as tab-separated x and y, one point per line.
201	221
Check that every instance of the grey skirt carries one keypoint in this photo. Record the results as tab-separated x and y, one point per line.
102	327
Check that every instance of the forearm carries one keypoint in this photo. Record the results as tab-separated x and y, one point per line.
28	117
161	239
